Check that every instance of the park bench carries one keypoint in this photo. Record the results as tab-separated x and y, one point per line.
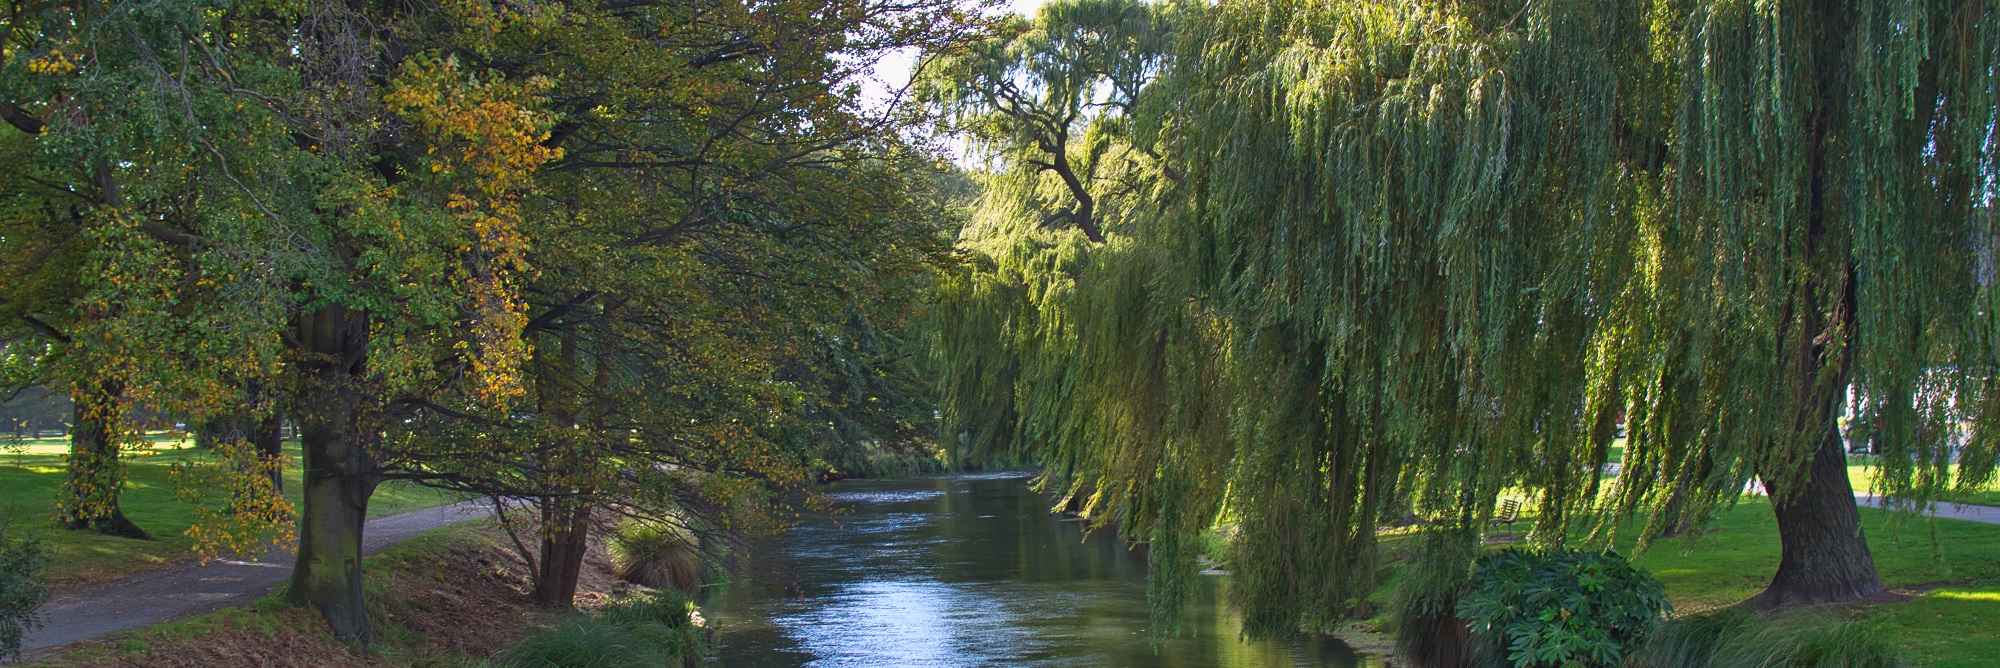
1510	512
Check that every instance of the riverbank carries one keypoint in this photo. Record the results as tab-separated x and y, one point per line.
450	597
1941	604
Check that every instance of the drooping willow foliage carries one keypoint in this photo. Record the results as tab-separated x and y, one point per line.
1365	258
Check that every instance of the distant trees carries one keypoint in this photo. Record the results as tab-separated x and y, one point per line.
33	410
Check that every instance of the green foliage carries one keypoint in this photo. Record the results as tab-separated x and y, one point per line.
1561	607
1738	638
1360	258
649	632
22	591
635	255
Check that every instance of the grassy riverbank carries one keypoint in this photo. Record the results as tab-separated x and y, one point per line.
1942	604
32	470
1943	600
454	597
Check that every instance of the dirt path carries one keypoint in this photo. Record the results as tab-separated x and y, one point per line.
1945	509
149	598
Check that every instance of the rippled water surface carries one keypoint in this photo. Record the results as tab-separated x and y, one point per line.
967	571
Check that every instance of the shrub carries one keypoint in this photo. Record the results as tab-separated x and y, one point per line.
657	556
1738	638
22	592
1560	607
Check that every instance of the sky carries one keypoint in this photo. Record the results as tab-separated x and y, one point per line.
892	72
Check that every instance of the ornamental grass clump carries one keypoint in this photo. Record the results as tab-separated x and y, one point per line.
1738	638
662	629
657	556
1529	608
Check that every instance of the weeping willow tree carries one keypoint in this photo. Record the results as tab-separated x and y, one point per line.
1368	257
1822	216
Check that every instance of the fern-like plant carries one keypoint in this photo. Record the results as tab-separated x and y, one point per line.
1560	607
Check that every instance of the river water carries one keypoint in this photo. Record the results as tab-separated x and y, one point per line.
968	570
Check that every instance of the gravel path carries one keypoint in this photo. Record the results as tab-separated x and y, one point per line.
149	598
1945	509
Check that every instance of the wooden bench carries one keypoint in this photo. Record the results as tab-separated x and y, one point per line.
1509	513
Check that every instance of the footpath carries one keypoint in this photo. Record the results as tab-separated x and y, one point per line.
150	598
1943	510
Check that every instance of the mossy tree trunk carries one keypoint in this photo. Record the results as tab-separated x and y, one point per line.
339	473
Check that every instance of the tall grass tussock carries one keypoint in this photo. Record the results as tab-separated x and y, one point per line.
657	556
1738	638
646	632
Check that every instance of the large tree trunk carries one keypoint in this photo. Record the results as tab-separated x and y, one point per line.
1825	554
89	499
338	471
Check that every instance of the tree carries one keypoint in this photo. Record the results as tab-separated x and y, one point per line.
1442	248
51	208
719	211
1047	96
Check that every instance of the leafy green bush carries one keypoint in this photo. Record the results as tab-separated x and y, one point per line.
22	592
1738	638
656	556
1561	607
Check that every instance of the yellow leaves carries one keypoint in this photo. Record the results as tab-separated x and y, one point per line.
53	63
485	146
238	510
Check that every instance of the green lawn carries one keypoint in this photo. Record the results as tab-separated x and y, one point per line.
31	470
1947	627
1948	622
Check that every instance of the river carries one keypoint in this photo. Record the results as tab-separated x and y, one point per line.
968	570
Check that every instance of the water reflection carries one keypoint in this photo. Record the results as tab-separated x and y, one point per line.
968	571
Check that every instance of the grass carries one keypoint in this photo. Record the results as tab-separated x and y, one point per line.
1947	627
1861	472
32	469
1952	588
1733	561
